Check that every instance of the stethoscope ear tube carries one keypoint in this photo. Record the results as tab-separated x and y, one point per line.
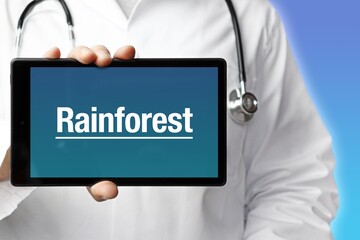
26	12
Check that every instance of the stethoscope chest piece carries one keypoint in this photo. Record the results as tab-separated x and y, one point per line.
242	106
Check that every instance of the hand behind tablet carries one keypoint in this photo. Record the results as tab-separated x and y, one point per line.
101	57
5	167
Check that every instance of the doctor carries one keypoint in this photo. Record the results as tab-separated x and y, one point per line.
280	166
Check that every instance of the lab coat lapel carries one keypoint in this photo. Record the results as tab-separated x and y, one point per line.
109	9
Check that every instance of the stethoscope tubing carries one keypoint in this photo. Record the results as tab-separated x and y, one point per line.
242	104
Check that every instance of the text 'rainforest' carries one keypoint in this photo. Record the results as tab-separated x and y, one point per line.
121	122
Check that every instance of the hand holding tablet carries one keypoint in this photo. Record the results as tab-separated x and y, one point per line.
100	55
147	122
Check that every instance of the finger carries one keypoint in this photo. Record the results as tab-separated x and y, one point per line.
125	53
104	190
53	53
103	56
82	54
5	167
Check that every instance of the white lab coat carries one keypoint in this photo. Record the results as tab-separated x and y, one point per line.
280	166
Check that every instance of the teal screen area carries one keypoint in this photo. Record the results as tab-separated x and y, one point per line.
124	122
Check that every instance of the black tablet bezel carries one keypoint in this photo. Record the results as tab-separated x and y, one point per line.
20	123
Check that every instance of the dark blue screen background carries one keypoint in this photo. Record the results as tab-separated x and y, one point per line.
140	90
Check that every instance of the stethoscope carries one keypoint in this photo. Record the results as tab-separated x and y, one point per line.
242	104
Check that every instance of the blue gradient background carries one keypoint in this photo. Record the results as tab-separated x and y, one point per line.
139	90
325	38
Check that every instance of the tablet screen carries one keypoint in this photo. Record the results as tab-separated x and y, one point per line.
124	122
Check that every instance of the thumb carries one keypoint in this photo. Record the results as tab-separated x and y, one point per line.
104	190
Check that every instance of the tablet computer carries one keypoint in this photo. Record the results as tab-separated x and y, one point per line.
143	122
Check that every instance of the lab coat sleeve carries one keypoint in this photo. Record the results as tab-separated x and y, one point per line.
10	196
290	189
